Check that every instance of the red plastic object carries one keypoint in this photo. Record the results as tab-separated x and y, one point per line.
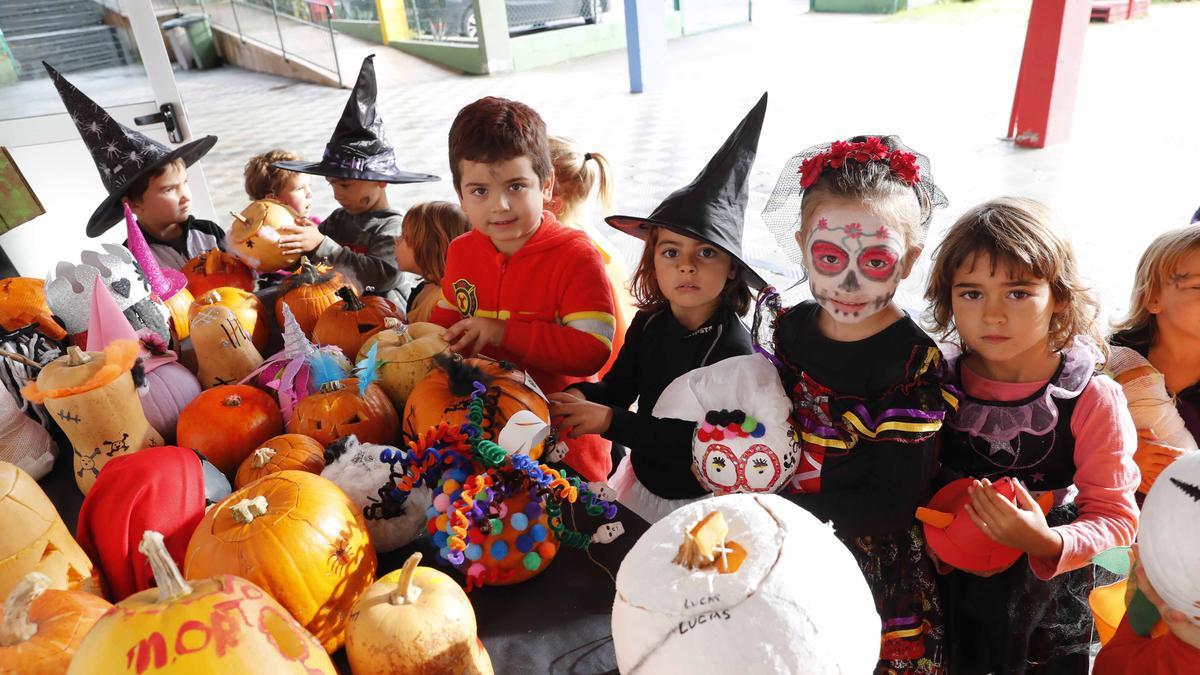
1045	97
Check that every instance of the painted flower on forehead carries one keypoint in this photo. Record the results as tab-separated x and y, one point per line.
882	233
810	170
854	230
904	166
868	150
823	224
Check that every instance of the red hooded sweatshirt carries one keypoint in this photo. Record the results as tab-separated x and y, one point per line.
556	302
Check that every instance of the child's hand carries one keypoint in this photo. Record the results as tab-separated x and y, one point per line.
471	336
301	238
580	416
1176	620
1022	527
568	395
1151	457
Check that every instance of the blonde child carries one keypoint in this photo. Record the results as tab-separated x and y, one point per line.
290	188
576	174
864	379
421	250
1156	351
1036	409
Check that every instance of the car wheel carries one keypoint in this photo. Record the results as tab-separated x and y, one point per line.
590	11
467	26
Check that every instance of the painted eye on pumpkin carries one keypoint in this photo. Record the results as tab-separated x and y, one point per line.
829	259
761	472
719	460
877	262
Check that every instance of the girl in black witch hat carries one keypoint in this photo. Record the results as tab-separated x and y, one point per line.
864	379
691	286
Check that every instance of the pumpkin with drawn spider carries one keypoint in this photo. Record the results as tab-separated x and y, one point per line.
499	514
298	537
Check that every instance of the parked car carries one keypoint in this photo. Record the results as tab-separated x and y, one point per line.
457	17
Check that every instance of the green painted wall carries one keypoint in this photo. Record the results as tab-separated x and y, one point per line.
8	65
363	30
464	56
859	6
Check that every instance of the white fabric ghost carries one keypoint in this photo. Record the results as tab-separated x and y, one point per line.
356	469
1167	543
743	441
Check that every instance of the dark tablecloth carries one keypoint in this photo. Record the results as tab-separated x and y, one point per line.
557	622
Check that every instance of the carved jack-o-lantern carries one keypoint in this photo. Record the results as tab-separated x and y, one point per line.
308	293
214	269
696	583
92	398
349	323
254	236
339	409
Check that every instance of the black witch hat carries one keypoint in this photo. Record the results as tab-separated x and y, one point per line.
121	154
358	150
712	207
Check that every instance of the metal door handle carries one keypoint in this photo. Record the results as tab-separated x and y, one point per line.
165	115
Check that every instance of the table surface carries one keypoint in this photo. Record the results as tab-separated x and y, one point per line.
557	622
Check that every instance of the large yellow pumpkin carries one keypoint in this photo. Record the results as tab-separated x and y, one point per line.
415	620
298	537
45	627
254	237
33	538
405	356
214	625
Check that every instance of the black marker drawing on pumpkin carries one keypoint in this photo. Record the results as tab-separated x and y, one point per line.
1190	489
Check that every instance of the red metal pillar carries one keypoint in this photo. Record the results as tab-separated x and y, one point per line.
1046	84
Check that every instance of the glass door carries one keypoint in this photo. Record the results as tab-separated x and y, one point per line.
113	51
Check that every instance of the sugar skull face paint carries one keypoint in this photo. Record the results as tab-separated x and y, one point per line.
855	261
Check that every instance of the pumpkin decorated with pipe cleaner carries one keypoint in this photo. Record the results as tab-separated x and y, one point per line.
298	537
218	624
356	469
40	628
497	512
349	323
254	237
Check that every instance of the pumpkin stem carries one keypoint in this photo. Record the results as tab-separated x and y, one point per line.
232	401
261	457
17	627
210	263
210	298
171	585
76	356
353	302
247	510
238	216
405	593
391	322
330	387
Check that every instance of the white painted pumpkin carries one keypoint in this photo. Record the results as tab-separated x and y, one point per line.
1167	544
355	468
797	604
743	441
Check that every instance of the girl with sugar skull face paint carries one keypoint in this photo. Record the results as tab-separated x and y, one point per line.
864	380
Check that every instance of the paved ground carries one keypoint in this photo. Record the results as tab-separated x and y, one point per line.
942	78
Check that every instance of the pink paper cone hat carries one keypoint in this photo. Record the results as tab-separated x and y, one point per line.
106	323
165	283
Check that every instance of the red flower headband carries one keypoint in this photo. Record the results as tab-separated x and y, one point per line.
903	164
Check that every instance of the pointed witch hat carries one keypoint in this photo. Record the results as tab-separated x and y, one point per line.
358	149
106	323
165	282
712	207
121	154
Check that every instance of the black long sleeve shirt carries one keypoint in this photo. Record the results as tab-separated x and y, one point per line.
657	350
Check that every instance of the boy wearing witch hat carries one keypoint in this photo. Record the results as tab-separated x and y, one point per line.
692	285
359	238
145	174
519	286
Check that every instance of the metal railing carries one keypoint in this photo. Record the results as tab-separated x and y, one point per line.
302	30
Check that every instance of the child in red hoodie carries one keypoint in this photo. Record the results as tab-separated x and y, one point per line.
519	286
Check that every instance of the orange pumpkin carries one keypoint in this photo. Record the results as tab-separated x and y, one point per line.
226	423
308	293
286	452
245	306
215	269
45	627
298	537
23	303
218	625
349	323
446	392
339	410
254	236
